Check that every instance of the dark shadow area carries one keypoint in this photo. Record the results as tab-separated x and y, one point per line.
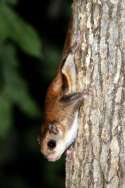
25	76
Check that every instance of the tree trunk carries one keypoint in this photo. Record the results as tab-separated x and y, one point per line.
99	150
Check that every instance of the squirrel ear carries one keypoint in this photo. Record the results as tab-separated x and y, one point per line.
69	72
53	129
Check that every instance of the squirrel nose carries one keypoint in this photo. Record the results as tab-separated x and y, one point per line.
51	144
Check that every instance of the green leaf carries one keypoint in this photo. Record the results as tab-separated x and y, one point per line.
27	38
18	93
22	33
8	55
13	2
4	30
5	115
15	87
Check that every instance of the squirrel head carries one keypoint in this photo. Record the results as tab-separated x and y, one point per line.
52	141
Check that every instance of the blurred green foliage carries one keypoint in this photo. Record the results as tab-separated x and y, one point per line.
24	77
13	89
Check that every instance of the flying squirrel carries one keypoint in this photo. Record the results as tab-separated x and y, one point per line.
62	103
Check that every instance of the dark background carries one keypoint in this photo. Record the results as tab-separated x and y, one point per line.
21	106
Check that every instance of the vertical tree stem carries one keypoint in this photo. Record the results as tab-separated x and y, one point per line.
99	151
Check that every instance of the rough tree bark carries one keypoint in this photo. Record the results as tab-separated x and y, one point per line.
99	151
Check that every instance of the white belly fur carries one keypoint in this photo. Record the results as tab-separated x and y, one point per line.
72	133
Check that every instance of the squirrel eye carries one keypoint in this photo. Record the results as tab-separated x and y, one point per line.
51	144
